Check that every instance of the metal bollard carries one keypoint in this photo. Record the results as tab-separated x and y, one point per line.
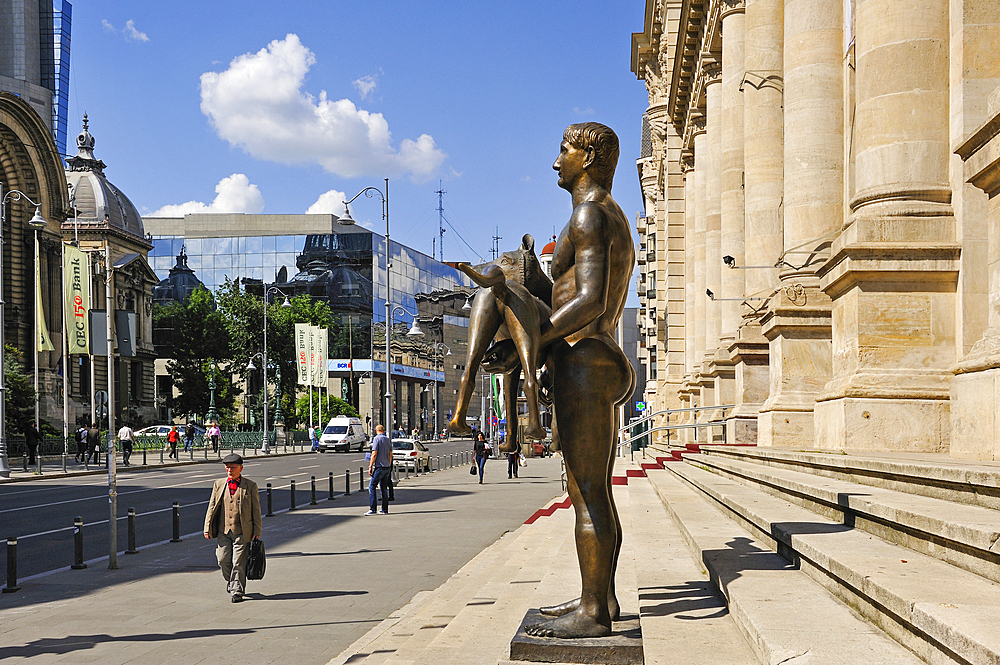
408	470
347	482
131	532
64	456
293	495
206	453
312	498
78	563
177	522
161	456
330	498
144	457
270	512
11	565
24	461
361	479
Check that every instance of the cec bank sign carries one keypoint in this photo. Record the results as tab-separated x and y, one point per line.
343	366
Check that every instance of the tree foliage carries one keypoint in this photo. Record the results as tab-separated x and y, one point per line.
190	334
20	393
332	406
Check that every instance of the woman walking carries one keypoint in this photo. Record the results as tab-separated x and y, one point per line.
482	450
172	437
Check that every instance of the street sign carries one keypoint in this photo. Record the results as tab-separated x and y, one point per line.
640	406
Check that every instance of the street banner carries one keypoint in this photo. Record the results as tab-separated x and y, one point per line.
311	337
76	272
321	370
302	352
43	343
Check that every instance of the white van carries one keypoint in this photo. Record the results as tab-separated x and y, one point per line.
343	433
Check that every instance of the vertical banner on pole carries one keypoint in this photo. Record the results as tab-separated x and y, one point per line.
76	272
302	352
311	341
43	343
321	368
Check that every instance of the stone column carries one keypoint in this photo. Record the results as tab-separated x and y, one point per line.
894	269
713	205
700	227
762	98
975	390
687	165
731	153
797	322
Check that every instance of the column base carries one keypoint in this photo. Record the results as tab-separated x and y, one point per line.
975	396
785	428
874	424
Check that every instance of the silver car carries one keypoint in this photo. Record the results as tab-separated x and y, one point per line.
411	453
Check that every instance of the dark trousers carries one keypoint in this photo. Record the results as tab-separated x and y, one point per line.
215	444
381	479
481	463
95	452
126	451
31	453
81	451
511	465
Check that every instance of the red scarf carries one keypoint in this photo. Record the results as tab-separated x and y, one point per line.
233	486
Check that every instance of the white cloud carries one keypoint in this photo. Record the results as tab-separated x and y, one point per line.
108	26
587	111
328	203
132	34
366	85
233	194
258	104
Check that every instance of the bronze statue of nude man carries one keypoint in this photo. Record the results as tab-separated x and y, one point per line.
591	271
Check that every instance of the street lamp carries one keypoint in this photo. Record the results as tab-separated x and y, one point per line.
36	222
438	346
211	416
265	447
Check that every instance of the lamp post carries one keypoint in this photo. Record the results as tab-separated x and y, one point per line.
37	219
211	416
265	447
438	346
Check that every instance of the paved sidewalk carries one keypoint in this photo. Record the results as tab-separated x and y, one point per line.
332	575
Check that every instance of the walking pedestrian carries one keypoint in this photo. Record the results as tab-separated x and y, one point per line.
31	438
189	437
482	450
94	444
81	445
213	434
513	460
233	519
380	470
126	437
313	440
172	436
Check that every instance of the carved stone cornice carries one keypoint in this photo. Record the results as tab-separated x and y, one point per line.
711	71
687	162
728	7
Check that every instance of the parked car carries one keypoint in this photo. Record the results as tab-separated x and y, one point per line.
343	433
411	453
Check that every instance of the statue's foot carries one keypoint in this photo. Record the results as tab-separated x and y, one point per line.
509	447
536	433
573	624
459	427
555	445
571	605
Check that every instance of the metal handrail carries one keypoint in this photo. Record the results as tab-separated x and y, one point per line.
669	411
661	428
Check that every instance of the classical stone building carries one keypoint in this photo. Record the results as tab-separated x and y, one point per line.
817	247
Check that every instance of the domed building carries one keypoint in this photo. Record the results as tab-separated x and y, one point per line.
102	219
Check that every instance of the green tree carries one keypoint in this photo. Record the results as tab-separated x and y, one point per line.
243	315
190	334
20	394
333	406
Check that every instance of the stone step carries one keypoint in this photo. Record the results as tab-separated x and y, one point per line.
941	612
786	616
964	535
682	616
939	476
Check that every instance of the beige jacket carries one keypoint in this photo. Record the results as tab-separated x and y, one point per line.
249	501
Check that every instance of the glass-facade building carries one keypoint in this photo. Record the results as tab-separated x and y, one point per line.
55	26
347	269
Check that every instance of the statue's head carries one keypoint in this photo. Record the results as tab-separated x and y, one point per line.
604	142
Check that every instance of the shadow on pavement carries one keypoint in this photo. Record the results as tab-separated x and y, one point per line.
73	643
697	597
304	595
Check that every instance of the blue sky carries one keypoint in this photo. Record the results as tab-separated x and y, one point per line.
266	107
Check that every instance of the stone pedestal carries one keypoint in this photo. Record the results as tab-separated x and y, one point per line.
722	369
797	327
622	647
750	355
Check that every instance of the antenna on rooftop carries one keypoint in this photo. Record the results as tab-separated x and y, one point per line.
440	194
496	243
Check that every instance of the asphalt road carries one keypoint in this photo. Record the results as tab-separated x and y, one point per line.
40	512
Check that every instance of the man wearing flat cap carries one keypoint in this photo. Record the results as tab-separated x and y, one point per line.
233	517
